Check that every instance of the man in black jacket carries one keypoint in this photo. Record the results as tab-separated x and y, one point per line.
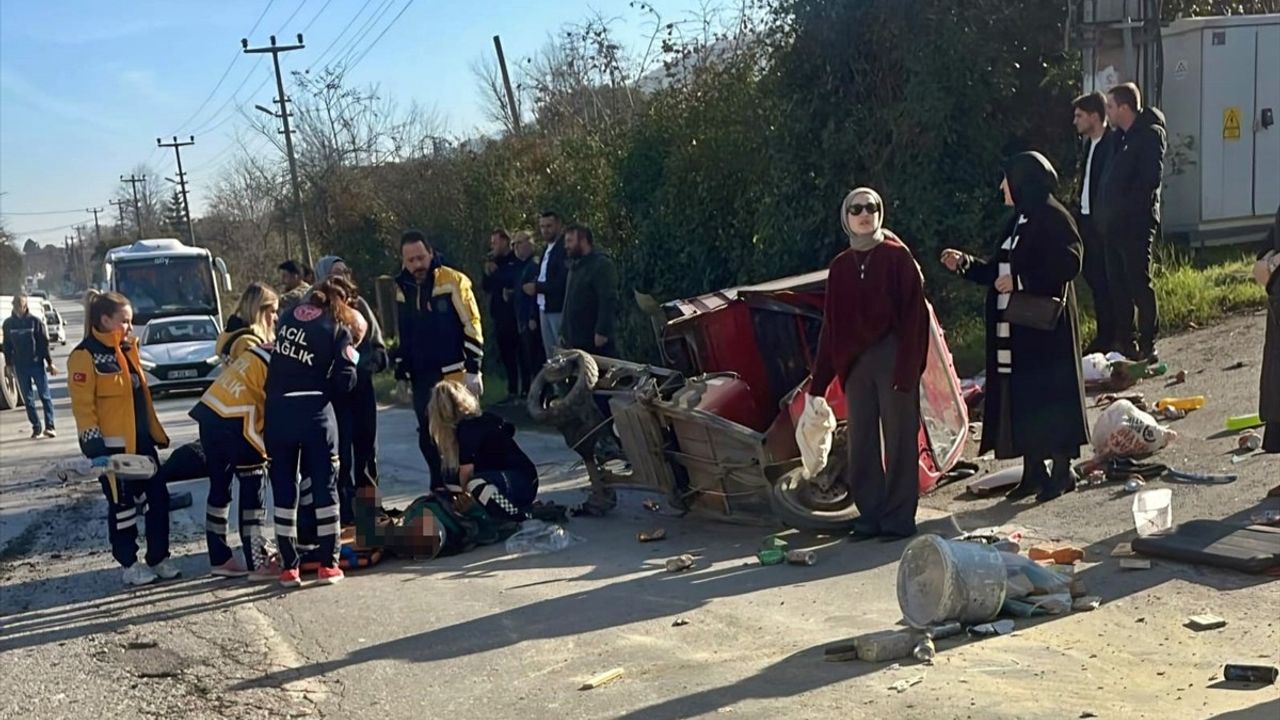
591	296
1129	213
552	276
1090	120
27	358
501	275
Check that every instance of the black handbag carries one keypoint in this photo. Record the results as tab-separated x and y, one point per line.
1034	311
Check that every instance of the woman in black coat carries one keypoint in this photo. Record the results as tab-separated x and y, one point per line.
1267	273
1034	406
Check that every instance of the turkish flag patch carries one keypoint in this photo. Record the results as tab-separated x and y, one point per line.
79	377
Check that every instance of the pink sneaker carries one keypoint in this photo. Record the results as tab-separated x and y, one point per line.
291	578
232	568
331	575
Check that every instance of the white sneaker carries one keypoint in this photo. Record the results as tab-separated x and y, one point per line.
166	570
138	574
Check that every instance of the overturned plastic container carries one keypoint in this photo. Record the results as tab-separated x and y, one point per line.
950	581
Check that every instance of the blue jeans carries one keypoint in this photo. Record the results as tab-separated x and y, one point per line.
27	376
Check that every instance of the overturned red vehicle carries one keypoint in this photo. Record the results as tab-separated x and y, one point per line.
714	428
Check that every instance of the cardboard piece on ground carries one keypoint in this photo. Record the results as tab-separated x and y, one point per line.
602	679
1135	564
1200	623
1122	550
996	482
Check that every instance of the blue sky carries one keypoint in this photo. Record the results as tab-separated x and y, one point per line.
87	86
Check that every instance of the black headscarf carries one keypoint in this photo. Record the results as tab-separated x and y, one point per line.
1031	179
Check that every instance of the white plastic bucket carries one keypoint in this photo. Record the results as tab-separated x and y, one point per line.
1153	511
946	580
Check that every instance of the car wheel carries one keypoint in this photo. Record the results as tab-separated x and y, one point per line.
804	503
9	397
562	389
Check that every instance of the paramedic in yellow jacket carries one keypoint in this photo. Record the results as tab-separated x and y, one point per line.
252	324
114	414
230	415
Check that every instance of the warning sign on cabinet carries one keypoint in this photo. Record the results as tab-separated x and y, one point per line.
1231	123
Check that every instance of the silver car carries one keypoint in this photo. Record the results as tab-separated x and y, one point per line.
178	353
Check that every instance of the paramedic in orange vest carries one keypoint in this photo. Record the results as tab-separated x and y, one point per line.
114	414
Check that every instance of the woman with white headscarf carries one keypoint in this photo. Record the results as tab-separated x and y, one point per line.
875	338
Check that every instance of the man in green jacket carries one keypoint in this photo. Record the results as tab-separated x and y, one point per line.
590	296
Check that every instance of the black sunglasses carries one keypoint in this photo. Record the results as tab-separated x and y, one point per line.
857	208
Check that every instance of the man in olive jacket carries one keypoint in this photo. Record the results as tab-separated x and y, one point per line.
590	297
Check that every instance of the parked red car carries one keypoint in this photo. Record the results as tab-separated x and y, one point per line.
714	429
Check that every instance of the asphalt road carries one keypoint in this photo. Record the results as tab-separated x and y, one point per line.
487	635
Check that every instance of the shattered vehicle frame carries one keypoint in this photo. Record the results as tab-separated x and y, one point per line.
713	428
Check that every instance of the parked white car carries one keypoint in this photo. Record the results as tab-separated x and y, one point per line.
178	353
54	324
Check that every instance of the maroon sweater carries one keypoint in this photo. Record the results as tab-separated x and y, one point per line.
870	296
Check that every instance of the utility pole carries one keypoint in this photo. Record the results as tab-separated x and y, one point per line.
506	81
137	210
284	115
120	206
182	180
97	229
72	258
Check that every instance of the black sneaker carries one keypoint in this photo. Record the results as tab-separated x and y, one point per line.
36	433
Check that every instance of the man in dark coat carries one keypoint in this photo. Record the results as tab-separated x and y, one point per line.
591	296
1090	119
532	354
501	275
1129	214
1034	405
1267	273
553	273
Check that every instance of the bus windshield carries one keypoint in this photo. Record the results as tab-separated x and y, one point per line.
166	286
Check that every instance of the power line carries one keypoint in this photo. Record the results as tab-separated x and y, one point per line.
316	17
352	21
37	231
349	47
377	39
44	212
290	18
227	71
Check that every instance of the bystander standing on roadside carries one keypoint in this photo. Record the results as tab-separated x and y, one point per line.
357	411
590	297
501	277
1267	272
293	285
553	273
532	354
1129	218
439	329
1099	141
27	358
874	342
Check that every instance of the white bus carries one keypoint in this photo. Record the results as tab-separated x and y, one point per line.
164	278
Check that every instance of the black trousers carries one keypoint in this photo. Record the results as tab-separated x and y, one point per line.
422	388
357	415
1096	277
1132	292
303	435
138	499
230	457
885	486
532	355
509	349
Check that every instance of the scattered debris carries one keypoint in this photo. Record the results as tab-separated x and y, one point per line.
771	557
1200	623
602	679
679	563
802	557
1060	555
1122	550
1133	484
1088	603
773	542
1088	714
679	622
652	535
1078	588
1178	378
939	632
886	645
1244	422
1237	365
925	651
141	645
991	629
903	685
1249	440
1265	517
1263	674
1135	564
651	505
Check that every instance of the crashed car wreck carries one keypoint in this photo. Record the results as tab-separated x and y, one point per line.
713	429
